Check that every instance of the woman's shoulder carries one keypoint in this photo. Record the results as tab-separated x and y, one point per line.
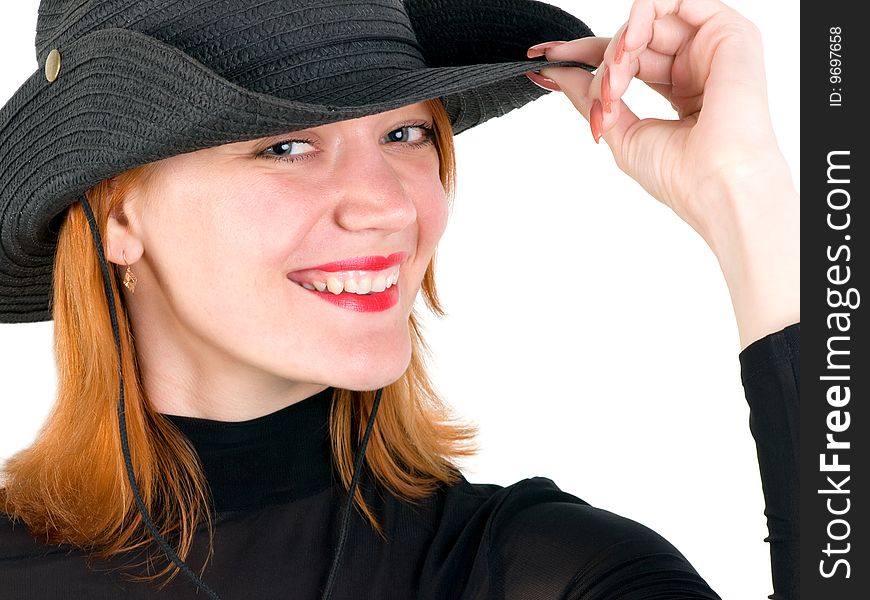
501	504
17	543
536	511
536	540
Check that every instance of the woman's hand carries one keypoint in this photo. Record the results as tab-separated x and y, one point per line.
718	165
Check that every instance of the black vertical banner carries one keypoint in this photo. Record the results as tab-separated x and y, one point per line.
835	372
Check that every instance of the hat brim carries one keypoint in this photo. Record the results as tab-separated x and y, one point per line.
123	99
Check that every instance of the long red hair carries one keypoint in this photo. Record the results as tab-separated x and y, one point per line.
70	487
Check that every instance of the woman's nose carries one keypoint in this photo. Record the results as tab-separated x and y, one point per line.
373	194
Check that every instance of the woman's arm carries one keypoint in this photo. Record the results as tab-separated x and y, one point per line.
719	168
770	371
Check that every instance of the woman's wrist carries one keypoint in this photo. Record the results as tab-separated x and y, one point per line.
756	239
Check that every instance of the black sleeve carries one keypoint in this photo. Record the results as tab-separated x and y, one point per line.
770	370
573	551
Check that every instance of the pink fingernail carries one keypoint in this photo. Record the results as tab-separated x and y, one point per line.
605	90
544	82
620	47
596	120
540	49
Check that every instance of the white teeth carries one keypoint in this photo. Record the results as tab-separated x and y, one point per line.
359	285
334	285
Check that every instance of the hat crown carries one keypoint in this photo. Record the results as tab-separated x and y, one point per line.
277	47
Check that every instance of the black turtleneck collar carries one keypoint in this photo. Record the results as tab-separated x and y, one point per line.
276	458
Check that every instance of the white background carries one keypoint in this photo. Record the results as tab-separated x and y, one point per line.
589	331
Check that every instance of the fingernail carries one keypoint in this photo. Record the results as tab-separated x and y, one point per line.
540	49
544	82
596	120
605	89
620	47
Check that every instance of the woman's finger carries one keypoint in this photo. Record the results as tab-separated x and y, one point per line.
589	50
645	12
663	89
670	34
699	33
652	63
652	67
574	83
665	26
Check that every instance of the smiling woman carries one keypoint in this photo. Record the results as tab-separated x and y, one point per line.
252	408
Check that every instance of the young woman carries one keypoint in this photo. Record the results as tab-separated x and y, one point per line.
273	215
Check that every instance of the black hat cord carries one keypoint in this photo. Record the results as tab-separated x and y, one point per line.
128	461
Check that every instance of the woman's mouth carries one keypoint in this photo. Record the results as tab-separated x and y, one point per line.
358	291
351	282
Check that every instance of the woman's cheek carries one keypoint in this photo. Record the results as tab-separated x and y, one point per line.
433	217
266	228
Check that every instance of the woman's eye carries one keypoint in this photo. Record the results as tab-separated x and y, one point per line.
286	149
409	134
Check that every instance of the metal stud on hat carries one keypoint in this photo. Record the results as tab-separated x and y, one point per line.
52	65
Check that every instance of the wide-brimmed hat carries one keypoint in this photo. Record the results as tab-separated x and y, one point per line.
126	82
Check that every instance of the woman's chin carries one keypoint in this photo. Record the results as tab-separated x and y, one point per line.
366	371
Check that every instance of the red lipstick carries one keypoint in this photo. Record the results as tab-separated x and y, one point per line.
363	263
375	302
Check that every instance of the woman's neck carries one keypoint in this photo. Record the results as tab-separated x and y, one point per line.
275	458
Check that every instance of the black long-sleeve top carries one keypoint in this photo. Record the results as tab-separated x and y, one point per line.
278	507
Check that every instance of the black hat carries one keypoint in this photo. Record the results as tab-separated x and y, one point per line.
126	82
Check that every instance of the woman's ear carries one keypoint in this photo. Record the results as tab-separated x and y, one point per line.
123	245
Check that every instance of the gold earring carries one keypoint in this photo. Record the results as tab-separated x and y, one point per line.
129	277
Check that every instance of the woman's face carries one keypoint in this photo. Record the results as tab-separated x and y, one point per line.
226	243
